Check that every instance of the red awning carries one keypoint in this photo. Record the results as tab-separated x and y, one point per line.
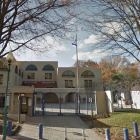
41	84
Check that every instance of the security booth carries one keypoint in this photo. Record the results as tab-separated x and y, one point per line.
25	104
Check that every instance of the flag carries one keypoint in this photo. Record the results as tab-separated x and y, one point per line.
75	42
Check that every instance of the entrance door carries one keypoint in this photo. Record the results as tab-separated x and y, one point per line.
30	106
24	105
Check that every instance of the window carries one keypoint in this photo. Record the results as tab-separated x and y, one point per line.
87	74
1	78
31	76
68	74
31	68
48	68
48	75
68	83
88	83
16	69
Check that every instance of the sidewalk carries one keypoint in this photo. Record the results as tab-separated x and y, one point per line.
53	128
9	138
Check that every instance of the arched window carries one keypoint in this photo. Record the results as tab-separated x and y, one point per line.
87	74
68	74
31	68
19	72
48	68
16	69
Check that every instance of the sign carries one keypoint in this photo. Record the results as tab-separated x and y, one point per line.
90	100
8	92
7	100
8	85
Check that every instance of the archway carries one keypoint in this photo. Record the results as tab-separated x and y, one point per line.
70	98
51	98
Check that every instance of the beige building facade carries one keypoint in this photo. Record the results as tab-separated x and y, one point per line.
40	82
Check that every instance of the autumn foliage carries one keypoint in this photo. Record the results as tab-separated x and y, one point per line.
112	65
88	63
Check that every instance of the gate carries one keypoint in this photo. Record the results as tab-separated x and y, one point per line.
87	103
62	103
38	104
122	100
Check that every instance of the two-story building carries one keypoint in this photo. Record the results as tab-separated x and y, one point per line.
42	82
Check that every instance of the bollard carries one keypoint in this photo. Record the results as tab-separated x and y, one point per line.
135	129
65	133
9	133
40	130
83	133
125	132
107	132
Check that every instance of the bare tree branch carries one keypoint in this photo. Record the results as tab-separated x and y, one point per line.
21	21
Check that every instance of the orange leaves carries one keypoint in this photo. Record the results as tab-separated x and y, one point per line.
88	63
112	65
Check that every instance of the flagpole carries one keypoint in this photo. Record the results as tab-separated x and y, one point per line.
77	76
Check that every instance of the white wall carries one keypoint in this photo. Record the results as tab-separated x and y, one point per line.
109	101
136	98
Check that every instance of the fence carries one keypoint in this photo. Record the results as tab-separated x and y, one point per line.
59	103
122	100
125	131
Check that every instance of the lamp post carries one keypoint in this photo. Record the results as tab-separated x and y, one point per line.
9	58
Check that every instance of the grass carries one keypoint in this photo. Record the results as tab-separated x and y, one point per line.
116	122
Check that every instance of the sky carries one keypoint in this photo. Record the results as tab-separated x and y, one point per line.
65	52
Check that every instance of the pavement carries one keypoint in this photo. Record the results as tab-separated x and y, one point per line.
54	129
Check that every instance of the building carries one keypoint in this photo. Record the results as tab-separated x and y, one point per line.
40	82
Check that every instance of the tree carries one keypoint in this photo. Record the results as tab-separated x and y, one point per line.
125	82
116	25
124	76
109	67
88	63
24	23
112	65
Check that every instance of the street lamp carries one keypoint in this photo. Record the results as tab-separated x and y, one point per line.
9	58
